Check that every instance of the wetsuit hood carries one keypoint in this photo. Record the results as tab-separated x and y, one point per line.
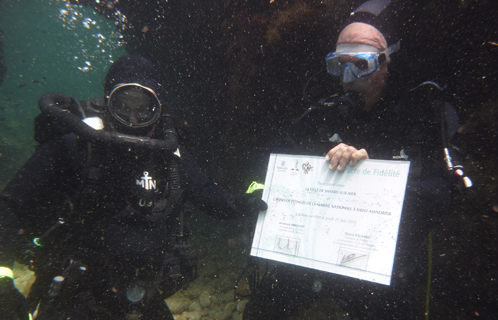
133	69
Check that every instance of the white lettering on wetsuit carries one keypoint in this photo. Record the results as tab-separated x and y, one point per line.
147	182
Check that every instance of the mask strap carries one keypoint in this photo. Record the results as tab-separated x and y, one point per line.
393	48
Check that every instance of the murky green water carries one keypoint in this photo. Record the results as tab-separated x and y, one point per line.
48	46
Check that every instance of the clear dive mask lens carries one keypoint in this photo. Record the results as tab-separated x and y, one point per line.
134	105
357	65
348	75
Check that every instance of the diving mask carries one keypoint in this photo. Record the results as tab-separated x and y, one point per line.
356	60
134	105
354	65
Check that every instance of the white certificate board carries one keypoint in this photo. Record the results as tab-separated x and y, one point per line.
340	222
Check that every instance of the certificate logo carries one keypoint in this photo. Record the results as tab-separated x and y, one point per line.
282	167
306	167
295	166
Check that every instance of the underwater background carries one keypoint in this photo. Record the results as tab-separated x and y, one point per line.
235	72
47	46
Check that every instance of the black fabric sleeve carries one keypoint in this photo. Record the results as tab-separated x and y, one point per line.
429	196
8	232
204	193
49	168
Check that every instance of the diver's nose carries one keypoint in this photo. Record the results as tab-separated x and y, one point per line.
133	118
347	75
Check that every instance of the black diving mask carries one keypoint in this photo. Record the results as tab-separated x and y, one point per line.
134	105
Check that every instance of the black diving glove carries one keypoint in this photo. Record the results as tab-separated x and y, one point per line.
12	305
249	203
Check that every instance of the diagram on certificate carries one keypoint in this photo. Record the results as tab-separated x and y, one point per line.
286	245
340	222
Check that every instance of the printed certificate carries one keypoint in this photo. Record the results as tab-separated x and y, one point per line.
340	222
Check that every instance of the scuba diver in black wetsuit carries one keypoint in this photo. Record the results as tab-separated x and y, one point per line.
98	211
371	119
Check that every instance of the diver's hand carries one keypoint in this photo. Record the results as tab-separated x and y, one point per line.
249	203
343	154
11	301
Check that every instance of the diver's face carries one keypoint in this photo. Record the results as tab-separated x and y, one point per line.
370	88
134	106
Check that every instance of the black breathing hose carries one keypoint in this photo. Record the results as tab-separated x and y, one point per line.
57	107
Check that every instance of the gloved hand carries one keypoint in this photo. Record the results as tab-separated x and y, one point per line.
249	203
11	301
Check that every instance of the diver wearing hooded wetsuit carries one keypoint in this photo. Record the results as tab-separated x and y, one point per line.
102	208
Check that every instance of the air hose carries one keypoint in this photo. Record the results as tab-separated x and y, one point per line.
57	107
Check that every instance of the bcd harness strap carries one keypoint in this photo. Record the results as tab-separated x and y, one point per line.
440	109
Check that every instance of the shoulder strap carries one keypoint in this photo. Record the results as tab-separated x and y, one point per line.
92	185
448	121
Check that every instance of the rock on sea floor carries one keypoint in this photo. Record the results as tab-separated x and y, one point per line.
23	278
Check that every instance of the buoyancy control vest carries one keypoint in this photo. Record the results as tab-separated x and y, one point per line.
126	179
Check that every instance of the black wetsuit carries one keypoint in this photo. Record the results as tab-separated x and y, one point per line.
112	201
394	129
